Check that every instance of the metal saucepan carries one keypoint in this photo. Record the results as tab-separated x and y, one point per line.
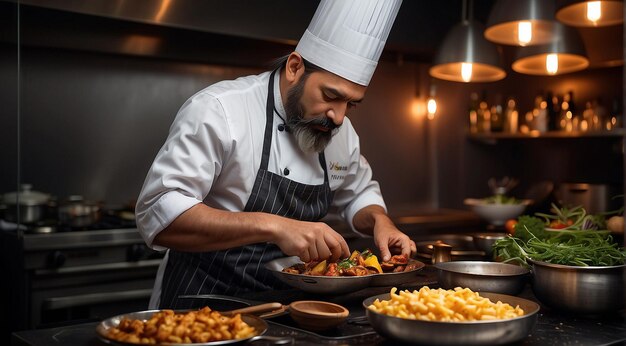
259	324
337	284
77	212
489	332
26	206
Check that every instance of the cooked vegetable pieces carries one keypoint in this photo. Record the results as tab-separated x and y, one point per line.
358	264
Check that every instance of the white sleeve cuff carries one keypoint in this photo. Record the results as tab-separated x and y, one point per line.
162	214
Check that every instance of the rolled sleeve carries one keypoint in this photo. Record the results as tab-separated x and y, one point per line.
160	215
185	168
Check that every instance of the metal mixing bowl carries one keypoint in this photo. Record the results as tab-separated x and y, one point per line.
482	276
485	241
589	290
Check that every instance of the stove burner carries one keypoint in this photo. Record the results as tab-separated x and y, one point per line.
109	220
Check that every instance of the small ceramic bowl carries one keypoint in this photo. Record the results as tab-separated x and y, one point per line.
317	315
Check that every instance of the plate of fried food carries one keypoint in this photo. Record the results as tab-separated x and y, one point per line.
362	269
456	316
187	327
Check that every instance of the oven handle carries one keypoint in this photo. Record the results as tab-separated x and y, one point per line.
100	267
94	298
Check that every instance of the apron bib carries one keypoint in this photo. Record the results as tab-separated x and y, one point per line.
239	270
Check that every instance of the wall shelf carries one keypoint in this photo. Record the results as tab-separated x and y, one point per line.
493	138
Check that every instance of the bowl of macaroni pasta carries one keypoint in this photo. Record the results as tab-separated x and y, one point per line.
451	317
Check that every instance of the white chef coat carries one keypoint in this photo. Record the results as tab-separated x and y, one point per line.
213	151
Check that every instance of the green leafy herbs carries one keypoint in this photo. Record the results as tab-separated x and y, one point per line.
575	248
501	199
575	218
529	227
345	264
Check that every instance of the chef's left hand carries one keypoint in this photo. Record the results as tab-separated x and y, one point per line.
391	240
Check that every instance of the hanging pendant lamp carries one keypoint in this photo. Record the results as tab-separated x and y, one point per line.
465	55
590	13
521	22
565	54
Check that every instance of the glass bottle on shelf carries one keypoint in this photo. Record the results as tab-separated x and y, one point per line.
554	108
615	119
566	118
484	114
497	116
511	116
586	119
599	114
473	113
540	114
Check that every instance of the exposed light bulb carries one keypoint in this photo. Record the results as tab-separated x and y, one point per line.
594	10
466	71
432	108
552	63
524	32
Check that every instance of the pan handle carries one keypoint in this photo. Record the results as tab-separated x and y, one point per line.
254	309
274	340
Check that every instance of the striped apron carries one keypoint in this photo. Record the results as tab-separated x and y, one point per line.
239	270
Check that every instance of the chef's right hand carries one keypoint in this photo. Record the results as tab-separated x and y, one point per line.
311	241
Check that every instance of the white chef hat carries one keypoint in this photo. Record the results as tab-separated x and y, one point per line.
346	37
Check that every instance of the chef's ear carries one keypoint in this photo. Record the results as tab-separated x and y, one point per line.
294	68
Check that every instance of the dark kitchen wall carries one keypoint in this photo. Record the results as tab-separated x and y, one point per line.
92	123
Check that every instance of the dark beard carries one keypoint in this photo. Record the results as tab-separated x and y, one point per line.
309	139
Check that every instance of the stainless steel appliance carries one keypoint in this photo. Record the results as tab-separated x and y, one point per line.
595	198
75	275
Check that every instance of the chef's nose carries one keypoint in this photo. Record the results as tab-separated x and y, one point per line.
336	115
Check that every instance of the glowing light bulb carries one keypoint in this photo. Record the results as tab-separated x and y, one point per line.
524	32
594	10
552	63
432	108
466	71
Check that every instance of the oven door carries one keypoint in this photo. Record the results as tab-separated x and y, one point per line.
90	292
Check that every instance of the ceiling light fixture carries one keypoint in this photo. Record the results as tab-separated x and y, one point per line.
521	22
591	13
565	54
465	55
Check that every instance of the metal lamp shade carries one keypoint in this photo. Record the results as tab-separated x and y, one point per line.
502	25
567	45
574	13
465	43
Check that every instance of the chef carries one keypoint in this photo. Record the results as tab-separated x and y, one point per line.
251	165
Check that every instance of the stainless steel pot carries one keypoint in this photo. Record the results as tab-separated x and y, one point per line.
26	205
589	290
76	212
488	332
482	276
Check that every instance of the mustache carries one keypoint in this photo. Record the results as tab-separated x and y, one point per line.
319	121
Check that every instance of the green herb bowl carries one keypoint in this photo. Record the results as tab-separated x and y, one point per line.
586	290
496	214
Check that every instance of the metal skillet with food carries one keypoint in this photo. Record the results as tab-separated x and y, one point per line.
190	327
360	270
358	264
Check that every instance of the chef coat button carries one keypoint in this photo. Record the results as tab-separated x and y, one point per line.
286	171
281	127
